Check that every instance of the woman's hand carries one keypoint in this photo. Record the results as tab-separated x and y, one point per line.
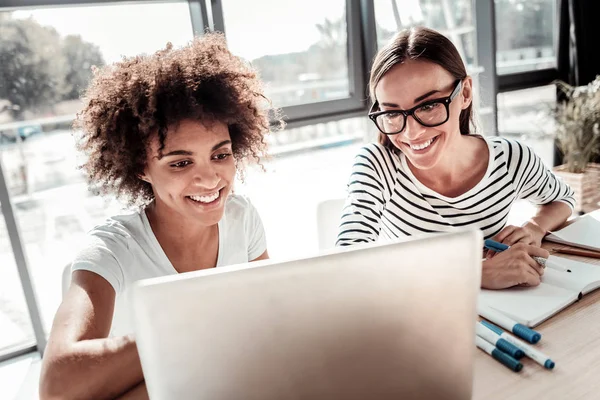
530	233
513	267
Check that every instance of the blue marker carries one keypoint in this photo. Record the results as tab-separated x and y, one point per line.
510	325
504	358
495	246
495	339
529	351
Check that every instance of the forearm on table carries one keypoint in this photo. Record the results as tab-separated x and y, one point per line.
551	216
96	368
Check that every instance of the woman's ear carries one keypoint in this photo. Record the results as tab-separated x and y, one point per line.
467	92
144	178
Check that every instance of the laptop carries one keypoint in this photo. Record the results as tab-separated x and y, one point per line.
376	321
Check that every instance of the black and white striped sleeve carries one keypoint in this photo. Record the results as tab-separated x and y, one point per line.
361	216
535	182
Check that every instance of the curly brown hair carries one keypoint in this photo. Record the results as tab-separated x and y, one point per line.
129	102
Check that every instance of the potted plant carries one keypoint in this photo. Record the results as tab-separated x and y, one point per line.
577	134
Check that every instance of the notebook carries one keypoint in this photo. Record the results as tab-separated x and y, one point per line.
584	233
531	306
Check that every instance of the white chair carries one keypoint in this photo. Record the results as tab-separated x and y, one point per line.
328	221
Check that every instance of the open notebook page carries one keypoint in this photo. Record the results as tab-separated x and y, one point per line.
529	305
584	232
532	305
584	277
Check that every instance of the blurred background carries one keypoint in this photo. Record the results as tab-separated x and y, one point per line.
314	56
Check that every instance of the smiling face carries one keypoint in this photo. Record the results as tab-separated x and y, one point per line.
411	83
196	172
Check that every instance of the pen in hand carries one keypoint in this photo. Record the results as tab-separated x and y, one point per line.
499	247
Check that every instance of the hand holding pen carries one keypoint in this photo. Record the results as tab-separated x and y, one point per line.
513	266
543	261
528	233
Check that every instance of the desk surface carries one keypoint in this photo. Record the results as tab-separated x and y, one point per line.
571	338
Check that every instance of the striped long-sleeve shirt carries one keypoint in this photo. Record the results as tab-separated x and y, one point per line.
385	198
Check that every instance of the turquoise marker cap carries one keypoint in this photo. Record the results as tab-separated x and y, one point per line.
507	360
520	330
526	333
510	349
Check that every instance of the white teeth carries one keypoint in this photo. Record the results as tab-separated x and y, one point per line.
205	199
421	146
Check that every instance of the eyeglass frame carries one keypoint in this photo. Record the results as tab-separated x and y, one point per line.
411	112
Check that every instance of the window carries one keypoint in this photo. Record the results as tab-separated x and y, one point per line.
301	53
310	164
527	111
16	331
526	115
308	52
45	58
305	54
525	35
453	18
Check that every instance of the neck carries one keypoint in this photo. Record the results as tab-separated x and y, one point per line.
450	169
174	228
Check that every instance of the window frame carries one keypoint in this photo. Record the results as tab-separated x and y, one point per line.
18	251
527	80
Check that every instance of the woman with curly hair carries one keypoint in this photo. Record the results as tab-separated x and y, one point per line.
166	132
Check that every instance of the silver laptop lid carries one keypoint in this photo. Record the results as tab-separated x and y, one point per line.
369	322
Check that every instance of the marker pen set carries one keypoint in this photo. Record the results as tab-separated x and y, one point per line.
504	347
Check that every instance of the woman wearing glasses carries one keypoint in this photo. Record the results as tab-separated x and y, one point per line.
431	173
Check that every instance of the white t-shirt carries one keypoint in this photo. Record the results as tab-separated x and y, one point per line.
124	250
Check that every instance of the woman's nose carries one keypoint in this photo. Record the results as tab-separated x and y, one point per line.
206	176
413	130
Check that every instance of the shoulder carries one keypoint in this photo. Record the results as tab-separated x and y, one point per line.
109	247
242	231
240	212
376	151
120	228
501	144
238	205
377	157
116	235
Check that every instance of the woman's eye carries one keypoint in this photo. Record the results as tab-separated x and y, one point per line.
181	164
222	156
429	107
392	116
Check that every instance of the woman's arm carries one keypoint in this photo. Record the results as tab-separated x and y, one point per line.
360	220
549	217
80	361
263	256
534	182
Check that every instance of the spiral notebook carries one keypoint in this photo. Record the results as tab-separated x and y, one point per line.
584	232
532	305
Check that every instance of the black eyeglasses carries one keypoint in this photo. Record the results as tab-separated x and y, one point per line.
430	113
